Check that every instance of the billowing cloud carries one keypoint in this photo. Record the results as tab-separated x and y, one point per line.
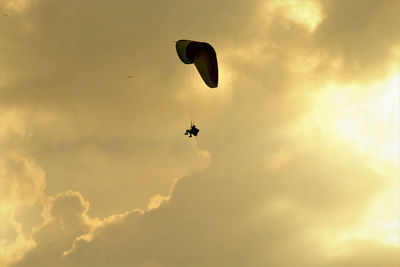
22	189
66	220
219	219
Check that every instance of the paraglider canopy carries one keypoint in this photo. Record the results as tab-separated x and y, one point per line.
204	58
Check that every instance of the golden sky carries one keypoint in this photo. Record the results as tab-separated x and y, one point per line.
297	159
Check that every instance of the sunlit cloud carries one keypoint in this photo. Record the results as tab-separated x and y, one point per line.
307	13
366	118
16	5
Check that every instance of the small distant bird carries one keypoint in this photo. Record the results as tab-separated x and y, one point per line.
129	77
5	15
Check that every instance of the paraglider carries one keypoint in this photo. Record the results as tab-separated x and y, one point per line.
203	56
192	131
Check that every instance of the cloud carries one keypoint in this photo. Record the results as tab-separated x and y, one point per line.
23	180
367	253
66	220
22	188
218	218
251	191
361	37
68	68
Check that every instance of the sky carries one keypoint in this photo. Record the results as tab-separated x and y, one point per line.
297	159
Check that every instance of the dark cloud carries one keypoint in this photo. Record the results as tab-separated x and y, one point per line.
362	36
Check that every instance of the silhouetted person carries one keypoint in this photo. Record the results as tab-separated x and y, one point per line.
192	131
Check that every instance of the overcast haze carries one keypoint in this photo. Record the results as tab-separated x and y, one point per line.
297	159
